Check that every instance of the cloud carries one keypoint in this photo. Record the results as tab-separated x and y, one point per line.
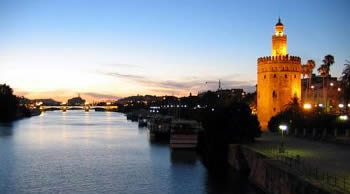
124	76
19	92
123	65
99	95
186	84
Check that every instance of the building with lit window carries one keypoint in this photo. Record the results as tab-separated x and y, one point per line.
325	93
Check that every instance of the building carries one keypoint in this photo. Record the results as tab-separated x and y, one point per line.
76	101
279	78
324	93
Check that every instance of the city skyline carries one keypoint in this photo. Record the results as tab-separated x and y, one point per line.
118	48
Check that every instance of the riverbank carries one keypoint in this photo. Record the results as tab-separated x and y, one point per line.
275	176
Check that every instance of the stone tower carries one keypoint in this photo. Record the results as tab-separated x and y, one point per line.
279	78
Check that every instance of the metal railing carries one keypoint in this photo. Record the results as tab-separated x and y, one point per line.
312	172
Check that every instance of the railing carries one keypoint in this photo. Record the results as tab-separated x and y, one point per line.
325	179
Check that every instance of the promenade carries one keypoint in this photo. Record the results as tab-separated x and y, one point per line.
328	157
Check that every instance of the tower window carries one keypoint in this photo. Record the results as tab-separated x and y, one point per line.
295	76
274	75
274	109
285	76
264	76
274	94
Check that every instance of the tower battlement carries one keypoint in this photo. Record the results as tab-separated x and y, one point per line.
279	58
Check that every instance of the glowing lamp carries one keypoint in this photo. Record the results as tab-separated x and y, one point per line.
331	84
283	127
341	105
307	106
343	117
320	105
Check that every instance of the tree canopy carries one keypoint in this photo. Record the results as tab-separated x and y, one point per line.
8	103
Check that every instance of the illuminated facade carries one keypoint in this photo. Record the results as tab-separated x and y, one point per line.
279	78
331	98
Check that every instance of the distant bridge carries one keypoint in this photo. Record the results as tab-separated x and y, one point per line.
84	107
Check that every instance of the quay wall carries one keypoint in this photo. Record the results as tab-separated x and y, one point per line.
270	175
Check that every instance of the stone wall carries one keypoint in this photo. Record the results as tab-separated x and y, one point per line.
271	176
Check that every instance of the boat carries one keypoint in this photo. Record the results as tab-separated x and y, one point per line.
184	134
159	126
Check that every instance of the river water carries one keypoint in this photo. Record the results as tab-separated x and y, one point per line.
98	152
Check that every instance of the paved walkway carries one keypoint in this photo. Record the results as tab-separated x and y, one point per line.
328	157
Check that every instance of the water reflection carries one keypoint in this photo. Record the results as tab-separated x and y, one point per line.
96	152
183	157
6	129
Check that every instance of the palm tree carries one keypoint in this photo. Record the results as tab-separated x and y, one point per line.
307	70
324	69
345	80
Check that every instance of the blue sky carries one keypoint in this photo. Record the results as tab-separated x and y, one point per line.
117	48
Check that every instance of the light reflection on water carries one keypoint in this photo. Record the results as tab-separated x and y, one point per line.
95	152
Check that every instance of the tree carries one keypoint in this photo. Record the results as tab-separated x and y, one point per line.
324	70
8	103
291	115
224	124
307	70
345	80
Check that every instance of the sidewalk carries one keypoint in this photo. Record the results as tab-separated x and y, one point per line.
329	157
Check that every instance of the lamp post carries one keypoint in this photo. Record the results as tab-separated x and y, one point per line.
283	128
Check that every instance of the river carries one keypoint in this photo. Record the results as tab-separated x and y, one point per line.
98	152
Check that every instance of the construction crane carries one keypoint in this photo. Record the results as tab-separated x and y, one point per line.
211	82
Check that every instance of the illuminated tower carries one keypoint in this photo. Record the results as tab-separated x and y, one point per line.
279	78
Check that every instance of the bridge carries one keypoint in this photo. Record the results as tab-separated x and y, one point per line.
86	108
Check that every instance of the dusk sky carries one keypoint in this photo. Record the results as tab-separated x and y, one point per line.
107	49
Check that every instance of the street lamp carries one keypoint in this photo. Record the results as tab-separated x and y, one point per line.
283	128
307	106
343	117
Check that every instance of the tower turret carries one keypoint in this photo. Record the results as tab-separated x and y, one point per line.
279	40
